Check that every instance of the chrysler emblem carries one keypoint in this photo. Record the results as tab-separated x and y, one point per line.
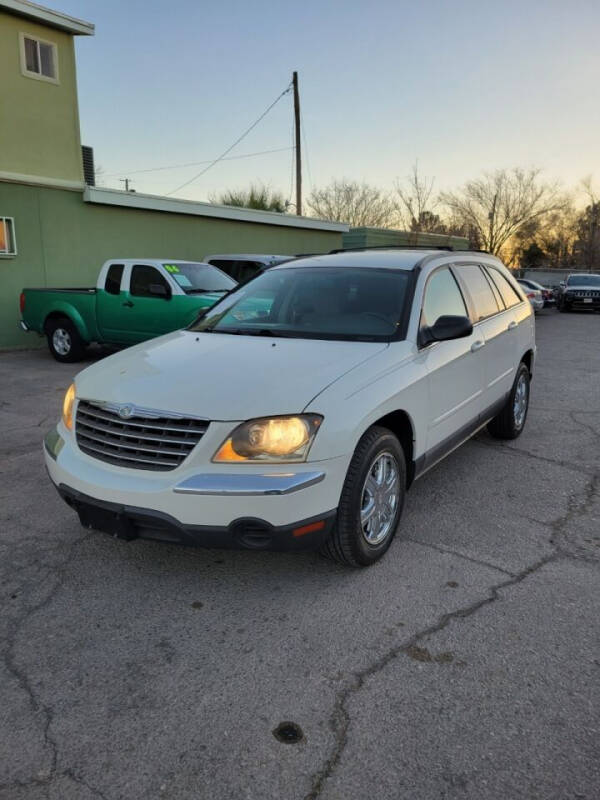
126	411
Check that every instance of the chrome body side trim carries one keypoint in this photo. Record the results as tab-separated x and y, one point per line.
240	484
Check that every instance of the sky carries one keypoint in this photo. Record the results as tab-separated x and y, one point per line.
461	86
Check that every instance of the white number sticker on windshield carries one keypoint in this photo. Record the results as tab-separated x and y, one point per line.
182	280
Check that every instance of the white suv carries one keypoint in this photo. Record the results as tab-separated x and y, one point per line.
297	411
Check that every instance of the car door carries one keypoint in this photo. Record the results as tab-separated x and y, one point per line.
109	305
495	325
455	369
146	312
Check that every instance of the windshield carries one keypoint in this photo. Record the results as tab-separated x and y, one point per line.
199	277
314	302
583	280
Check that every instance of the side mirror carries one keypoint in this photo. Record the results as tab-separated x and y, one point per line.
562	283
159	290
447	327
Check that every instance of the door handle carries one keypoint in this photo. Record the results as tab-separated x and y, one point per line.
512	325
477	345
128	303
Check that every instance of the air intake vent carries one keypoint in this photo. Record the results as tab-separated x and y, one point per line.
89	174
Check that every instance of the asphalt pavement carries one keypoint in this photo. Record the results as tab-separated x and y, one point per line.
466	664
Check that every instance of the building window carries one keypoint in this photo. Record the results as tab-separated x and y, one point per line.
39	59
8	243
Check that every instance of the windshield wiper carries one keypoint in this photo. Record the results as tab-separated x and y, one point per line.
207	291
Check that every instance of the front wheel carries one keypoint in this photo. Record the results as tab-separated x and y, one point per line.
371	501
64	342
511	420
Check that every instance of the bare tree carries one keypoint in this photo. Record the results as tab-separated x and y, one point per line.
257	196
358	204
416	203
498	205
588	229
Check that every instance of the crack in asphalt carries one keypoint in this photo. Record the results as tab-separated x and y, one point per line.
578	503
518	451
449	551
21	675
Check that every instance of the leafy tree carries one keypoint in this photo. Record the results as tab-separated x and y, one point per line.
257	196
357	204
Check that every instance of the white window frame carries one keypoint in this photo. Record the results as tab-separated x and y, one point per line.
9	227
38	75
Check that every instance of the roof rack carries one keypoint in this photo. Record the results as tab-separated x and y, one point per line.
393	247
446	247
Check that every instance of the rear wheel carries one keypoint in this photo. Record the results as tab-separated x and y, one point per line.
511	420
371	502
64	341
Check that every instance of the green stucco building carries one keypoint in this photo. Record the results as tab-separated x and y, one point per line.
56	230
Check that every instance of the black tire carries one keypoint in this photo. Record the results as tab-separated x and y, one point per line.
64	341
507	425
348	543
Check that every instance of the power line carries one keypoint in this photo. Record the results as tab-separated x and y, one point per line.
237	141
196	163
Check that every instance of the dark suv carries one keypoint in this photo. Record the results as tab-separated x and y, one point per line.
581	290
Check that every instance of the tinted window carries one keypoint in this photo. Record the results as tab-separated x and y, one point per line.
198	277
442	298
314	302
509	294
113	278
479	288
143	277
239	270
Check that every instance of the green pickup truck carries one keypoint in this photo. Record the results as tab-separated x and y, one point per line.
134	300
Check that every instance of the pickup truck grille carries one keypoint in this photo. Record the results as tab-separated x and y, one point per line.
138	442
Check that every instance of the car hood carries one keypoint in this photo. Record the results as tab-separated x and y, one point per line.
222	376
585	288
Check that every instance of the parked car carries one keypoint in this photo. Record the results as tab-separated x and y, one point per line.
547	293
579	291
243	266
298	410
535	296
134	299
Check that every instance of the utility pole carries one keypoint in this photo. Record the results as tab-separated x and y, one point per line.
126	182
298	147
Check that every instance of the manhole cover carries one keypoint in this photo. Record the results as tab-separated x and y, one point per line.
288	733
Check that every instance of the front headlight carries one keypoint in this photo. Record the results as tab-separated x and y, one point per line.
67	410
279	439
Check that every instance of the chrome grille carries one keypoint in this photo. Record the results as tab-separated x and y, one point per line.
138	442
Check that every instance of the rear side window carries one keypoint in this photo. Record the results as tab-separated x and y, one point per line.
143	277
239	270
442	298
113	279
480	290
509	294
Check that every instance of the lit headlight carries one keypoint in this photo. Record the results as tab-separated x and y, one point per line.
271	439
67	410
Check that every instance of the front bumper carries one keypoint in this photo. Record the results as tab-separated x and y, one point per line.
129	522
277	507
576	301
